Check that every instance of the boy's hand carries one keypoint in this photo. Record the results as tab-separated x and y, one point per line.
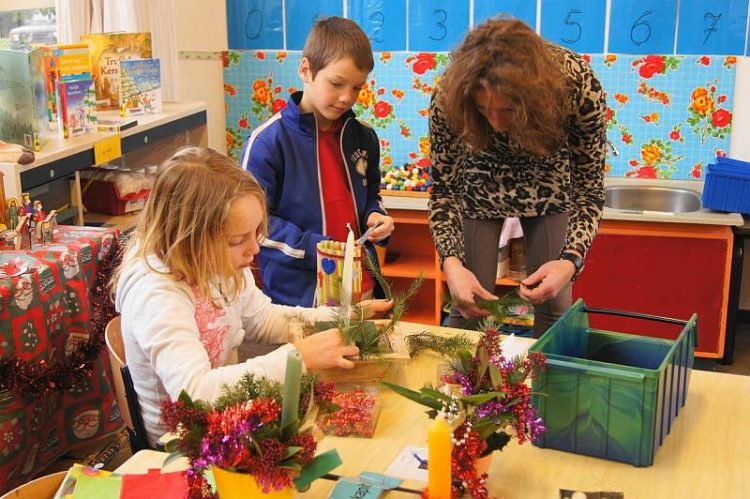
326	350
384	229
376	308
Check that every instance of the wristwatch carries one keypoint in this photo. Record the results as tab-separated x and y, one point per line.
576	260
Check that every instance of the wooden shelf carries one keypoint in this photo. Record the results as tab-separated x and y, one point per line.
410	266
126	222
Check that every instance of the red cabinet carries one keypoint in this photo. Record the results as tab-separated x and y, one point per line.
666	269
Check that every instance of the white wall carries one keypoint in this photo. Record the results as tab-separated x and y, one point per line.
740	144
202	27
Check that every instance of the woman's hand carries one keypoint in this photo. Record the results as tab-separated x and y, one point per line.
326	350
375	308
384	229
547	281
464	287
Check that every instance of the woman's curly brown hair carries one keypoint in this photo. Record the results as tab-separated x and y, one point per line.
508	58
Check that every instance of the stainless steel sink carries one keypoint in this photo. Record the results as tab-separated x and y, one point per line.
652	198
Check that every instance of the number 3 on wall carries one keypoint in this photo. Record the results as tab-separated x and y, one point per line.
441	17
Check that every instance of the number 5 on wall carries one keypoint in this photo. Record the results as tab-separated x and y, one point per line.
576	24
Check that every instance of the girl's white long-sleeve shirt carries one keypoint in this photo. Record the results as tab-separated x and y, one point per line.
175	339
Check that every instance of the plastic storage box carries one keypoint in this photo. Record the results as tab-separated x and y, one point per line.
608	394
727	186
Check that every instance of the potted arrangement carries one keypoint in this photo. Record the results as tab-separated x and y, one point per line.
486	400
246	436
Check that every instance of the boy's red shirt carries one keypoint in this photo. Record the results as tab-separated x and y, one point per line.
337	198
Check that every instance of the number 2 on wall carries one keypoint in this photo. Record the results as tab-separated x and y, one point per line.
378	20
574	24
711	29
443	16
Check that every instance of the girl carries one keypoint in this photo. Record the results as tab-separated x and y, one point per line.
186	293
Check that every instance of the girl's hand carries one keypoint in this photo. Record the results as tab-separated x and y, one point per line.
547	281
375	308
326	350
384	229
464	287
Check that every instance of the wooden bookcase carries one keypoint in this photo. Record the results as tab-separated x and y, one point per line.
411	252
150	142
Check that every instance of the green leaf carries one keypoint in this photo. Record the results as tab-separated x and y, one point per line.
185	399
415	396
173	456
291	451
495	377
481	398
322	464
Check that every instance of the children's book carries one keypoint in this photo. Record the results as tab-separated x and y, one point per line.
23	98
77	107
115	125
140	87
107	50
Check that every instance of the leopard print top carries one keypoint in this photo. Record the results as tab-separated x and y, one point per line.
506	181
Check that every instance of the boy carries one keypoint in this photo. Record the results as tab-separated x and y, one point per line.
318	165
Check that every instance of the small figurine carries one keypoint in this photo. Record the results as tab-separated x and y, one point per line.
13	213
47	231
39	217
27	207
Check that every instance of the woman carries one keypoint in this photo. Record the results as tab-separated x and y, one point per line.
517	129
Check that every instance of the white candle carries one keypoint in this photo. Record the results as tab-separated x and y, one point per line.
347	275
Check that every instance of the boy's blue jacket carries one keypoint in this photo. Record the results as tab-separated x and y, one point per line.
282	154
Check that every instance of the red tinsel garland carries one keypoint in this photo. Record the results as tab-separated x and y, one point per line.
38	379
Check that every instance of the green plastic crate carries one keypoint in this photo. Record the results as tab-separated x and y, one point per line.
608	394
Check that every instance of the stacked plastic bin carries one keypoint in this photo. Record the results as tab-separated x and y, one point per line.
727	186
608	394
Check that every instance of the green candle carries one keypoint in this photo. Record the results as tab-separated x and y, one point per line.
290	404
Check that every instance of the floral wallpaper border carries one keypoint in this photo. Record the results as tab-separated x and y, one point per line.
668	115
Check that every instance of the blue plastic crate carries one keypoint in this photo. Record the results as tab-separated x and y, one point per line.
608	394
727	186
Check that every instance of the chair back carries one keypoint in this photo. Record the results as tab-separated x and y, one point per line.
127	398
43	487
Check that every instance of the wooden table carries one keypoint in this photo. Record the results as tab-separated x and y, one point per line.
706	455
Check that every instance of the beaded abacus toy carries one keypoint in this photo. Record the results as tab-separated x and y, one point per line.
407	178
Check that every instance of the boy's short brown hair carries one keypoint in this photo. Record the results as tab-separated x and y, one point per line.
333	38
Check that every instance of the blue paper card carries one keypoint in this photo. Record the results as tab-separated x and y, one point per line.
384	22
437	25
576	24
347	488
642	26
717	27
384	481
255	24
302	14
520	9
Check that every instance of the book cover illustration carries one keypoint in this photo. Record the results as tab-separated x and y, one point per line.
65	63
23	98
140	87
77	107
107	50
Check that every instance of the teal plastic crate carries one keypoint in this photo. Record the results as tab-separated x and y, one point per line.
608	394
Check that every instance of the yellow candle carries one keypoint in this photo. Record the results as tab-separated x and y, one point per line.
439	459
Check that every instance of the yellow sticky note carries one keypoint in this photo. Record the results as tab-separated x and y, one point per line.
107	149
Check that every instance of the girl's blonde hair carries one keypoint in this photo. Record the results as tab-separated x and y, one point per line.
507	57
186	218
